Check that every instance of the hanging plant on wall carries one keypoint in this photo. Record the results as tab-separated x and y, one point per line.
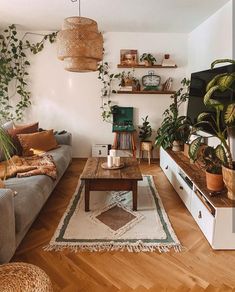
13	71
108	79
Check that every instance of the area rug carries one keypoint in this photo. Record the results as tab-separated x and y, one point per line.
112	225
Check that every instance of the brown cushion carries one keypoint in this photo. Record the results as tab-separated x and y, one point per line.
26	129
37	143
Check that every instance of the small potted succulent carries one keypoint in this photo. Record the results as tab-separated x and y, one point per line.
175	129
209	159
148	59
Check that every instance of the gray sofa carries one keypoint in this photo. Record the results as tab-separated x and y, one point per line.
17	213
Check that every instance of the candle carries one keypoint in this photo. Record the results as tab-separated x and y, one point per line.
116	161
110	161
112	152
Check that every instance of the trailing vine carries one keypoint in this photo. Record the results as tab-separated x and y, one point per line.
107	90
13	71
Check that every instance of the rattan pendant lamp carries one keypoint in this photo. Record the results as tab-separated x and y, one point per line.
80	44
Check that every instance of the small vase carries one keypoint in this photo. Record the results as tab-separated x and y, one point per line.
214	182
229	180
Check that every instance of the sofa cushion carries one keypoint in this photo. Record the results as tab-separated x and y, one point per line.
32	192
37	143
26	129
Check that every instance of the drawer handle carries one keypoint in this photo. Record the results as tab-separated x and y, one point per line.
166	167
181	188
199	214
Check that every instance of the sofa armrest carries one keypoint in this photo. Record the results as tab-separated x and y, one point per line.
64	139
7	225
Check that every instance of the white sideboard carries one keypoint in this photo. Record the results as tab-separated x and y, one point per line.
215	215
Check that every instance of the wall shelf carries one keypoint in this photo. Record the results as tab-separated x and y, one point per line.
145	92
144	67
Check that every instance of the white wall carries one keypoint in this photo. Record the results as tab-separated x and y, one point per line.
71	101
211	40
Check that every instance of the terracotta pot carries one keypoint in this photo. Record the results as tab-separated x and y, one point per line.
214	182
176	146
229	180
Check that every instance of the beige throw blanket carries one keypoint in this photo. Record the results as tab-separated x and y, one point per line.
28	166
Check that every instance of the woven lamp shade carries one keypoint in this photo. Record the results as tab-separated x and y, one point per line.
80	45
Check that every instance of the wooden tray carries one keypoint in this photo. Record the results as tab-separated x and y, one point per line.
105	166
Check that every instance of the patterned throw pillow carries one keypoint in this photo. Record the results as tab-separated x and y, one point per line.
26	129
37	143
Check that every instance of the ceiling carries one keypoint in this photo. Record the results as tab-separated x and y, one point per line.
111	15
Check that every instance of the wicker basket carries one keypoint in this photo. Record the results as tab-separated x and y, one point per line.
23	277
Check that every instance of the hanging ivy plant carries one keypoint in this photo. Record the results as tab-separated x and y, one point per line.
13	71
107	90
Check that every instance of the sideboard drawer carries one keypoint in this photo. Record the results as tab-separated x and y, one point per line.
183	190
203	217
166	161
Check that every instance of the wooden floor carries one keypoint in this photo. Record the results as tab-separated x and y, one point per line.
198	268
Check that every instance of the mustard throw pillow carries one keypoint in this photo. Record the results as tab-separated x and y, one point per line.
37	143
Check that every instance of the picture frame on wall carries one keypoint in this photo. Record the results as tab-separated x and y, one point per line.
128	57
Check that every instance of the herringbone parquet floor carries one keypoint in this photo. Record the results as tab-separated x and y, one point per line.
198	268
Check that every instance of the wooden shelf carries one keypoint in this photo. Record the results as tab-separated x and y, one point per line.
143	66
146	92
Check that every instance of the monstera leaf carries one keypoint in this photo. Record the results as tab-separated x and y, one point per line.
194	147
229	115
221	154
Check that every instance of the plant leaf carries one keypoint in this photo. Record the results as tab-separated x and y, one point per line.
229	115
209	93
222	61
225	82
221	154
194	147
213	82
202	116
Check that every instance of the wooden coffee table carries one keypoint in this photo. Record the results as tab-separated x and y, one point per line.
98	179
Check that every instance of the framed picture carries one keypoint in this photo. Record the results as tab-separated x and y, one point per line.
128	57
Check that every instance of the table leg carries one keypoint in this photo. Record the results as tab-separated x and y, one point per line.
87	196
134	195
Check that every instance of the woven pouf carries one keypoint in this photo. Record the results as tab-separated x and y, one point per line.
23	277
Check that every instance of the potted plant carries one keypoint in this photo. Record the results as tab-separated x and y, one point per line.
175	129
144	134
148	59
209	159
225	115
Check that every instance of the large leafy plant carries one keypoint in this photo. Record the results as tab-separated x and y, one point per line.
145	130
175	127
14	71
222	113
